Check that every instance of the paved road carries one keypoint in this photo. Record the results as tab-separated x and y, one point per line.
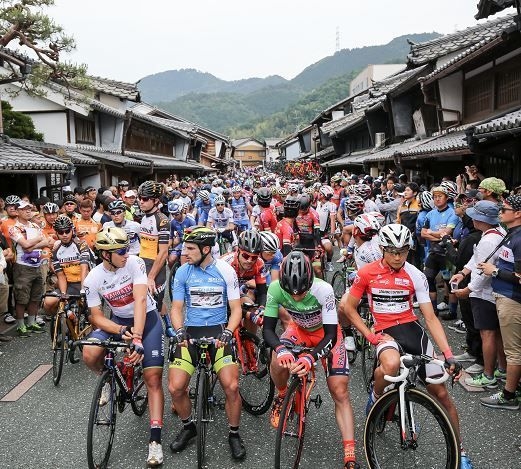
46	427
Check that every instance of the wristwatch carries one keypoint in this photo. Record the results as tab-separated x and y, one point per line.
495	272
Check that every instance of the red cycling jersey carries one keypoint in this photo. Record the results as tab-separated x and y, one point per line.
255	273
390	293
285	232
267	220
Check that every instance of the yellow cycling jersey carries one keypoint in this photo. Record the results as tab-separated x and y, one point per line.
154	231
69	258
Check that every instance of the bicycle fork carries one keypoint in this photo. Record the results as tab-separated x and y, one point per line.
408	436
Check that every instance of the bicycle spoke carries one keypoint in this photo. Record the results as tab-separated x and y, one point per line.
139	401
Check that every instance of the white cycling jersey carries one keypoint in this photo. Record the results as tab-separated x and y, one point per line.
220	219
117	288
368	252
324	210
132	228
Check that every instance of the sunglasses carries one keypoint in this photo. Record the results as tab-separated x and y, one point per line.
122	251
397	252
219	205
249	257
144	199
63	232
69	203
116	212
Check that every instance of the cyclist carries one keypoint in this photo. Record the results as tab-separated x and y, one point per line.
241	209
117	210
202	207
204	287
314	323
50	214
154	238
367	249
178	224
271	256
85	227
280	197
220	218
308	227
350	207
267	221
390	284
286	228
327	215
121	281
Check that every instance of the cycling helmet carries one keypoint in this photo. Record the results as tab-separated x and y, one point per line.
366	225
335	178
204	195
451	187
151	189
174	207
395	236
50	207
292	188
226	192
270	241
296	273
327	191
282	191
236	189
426	200
305	202
308	190
291	206
317	185
264	197
63	223
362	190
123	183
250	241
12	200
111	239
200	235
183	185
440	189
219	199
379	218
355	204
117	205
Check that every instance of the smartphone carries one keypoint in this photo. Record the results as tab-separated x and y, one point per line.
453	286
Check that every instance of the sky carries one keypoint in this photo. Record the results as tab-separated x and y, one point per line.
235	39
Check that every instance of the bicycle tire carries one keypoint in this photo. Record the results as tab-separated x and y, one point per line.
339	284
58	352
139	399
291	427
171	277
382	429
202	413
367	358
102	423
255	385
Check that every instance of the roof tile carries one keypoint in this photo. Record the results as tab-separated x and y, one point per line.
509	121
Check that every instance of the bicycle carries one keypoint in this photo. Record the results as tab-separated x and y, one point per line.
400	418
171	277
255	384
125	385
341	279
69	324
225	246
316	253
289	442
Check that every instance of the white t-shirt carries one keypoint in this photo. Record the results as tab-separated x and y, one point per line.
324	210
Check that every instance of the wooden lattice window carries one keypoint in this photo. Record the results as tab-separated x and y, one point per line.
508	88
478	96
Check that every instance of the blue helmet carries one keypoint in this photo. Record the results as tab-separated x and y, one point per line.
174	207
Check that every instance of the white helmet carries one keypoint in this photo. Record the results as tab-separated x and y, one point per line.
395	236
366	224
270	241
219	199
451	187
326	191
379	218
426	200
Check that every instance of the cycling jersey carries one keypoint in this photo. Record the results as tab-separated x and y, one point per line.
342	207
240	211
437	220
307	223
132	228
117	287
337	195
178	228
48	231
367	252
86	230
324	211
267	219
202	211
255	273
69	258
7	223
508	254
318	307
154	231
220	220
273	264
285	232
206	292
390	293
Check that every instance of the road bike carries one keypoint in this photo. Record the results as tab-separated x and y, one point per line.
289	443
120	384
225	246
69	324
316	253
406	427
341	278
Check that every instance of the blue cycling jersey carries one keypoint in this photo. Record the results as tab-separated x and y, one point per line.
202	210
273	264
509	254
206	292
240	211
178	228
342	206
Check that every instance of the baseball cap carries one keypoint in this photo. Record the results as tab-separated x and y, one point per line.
485	211
130	193
494	185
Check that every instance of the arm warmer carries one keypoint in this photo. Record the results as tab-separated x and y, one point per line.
327	343
262	293
268	332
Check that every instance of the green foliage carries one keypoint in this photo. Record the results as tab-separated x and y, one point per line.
18	125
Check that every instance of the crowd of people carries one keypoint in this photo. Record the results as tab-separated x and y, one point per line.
451	250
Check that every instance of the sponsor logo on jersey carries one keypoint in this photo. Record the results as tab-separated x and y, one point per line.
402	281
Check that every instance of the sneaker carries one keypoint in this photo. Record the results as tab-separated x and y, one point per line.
459	327
465	462
22	332
9	318
474	369
236	446
35	328
349	343
275	411
481	381
105	395
498	401
329	267
442	306
40	320
464	357
183	438
26	315
448	316
500	375
155	454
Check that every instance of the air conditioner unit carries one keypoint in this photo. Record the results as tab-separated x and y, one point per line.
379	140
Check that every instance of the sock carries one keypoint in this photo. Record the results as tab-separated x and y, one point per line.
453	308
31	320
349	450
282	391
155	431
234	430
509	395
20	322
187	422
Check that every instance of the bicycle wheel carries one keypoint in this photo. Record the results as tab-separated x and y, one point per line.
368	357
202	412
289	441
102	423
255	384
58	348
139	399
339	284
433	445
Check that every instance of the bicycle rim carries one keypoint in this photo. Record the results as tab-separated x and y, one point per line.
339	284
255	384
289	442
102	424
58	352
202	415
139	399
434	446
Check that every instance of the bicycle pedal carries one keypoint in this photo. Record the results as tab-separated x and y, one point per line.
317	401
191	393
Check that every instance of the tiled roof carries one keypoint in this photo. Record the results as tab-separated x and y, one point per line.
114	157
491	7
509	121
431	50
451	141
60	151
116	88
165	162
371	154
17	159
344	123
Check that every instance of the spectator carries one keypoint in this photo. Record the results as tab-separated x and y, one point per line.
86	228
492	189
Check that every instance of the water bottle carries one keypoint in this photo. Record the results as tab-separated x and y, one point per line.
71	316
128	371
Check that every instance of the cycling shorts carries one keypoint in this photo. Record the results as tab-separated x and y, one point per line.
412	338
153	338
336	363
185	358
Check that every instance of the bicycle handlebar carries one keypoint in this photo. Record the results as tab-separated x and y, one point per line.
108	343
203	341
298	349
414	360
64	296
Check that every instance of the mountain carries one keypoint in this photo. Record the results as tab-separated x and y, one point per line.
232	106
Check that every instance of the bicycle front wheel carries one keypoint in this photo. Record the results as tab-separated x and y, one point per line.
202	412
256	386
102	422
368	356
58	348
289	442
139	400
339	284
430	438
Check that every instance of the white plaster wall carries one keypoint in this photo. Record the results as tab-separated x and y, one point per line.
52	125
292	151
451	92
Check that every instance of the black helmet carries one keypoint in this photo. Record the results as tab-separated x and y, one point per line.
264	197
63	223
151	189
250	241
200	235
305	202
291	206
296	273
